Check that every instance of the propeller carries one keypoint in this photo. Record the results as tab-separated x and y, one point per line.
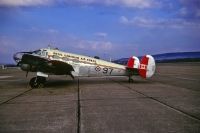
27	73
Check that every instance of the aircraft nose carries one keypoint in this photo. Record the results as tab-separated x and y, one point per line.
18	56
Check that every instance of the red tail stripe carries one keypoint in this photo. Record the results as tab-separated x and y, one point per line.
143	67
130	62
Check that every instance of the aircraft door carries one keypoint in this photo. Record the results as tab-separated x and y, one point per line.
76	71
44	53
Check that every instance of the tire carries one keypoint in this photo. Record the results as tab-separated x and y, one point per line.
37	82
34	83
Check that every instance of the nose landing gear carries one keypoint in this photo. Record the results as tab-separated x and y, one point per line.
37	82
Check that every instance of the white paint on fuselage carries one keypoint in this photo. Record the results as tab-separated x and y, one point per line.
86	66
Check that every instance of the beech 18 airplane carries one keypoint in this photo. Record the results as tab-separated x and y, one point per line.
50	61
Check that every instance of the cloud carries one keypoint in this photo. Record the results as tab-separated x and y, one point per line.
124	3
190	9
159	23
67	40
101	34
5	44
35	38
94	45
25	2
124	20
39	30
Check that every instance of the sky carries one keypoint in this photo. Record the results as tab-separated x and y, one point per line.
105	28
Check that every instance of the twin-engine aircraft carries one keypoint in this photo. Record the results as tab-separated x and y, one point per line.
50	61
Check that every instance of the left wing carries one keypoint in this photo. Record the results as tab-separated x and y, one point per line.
35	63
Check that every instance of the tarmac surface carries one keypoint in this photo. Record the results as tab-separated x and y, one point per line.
167	103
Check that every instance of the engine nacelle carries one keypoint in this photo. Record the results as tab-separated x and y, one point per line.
25	67
28	67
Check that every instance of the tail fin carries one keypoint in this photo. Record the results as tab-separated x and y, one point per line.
147	66
133	62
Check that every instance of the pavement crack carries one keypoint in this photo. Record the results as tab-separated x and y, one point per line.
161	102
78	109
6	101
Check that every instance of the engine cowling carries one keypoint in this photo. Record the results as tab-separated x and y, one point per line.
28	67
25	67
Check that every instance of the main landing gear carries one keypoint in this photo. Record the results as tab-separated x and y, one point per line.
130	80
37	82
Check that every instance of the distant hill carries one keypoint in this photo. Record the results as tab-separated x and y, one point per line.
169	57
180	56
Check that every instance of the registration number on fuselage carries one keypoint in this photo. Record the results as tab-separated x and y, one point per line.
104	70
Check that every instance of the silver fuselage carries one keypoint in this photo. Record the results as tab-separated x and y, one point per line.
85	65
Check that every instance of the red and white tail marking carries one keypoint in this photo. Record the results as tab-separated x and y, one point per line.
147	66
133	62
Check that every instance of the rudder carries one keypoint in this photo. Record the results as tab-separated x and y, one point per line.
147	66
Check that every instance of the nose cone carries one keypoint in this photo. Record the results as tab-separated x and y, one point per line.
18	56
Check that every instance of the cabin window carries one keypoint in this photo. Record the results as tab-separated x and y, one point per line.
56	57
65	58
43	53
75	60
38	52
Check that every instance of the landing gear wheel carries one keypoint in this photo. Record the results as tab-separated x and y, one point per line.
37	82
33	83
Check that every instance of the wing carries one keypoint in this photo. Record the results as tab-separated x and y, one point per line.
34	63
57	67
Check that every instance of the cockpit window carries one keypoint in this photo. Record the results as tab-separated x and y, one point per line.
38	52
41	53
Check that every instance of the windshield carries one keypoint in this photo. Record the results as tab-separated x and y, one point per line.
41	52
38	52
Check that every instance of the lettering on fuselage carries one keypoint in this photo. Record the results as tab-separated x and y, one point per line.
93	65
72	57
105	70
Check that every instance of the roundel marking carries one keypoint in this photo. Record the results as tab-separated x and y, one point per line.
98	68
